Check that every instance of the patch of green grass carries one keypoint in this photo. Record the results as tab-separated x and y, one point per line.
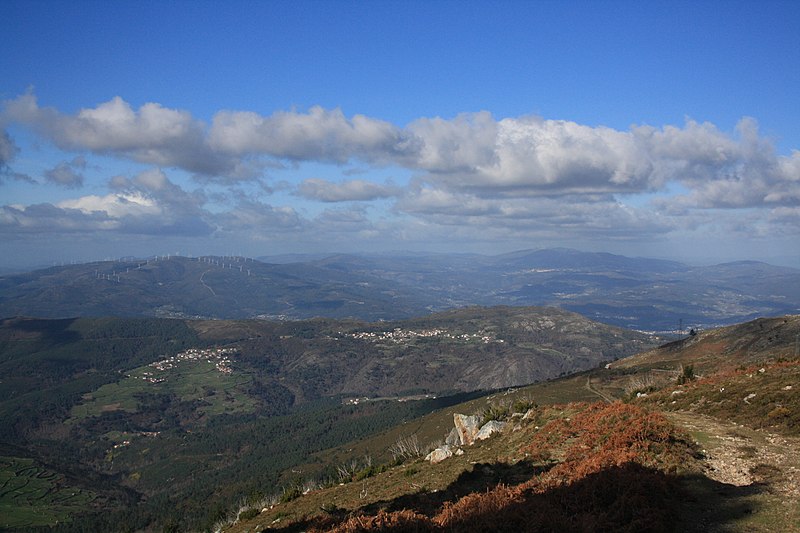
188	380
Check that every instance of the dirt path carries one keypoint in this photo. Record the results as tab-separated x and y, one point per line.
597	392
743	457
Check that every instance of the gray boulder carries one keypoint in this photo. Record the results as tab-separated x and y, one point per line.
439	454
453	438
490	428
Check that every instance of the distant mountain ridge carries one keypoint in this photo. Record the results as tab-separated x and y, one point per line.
639	293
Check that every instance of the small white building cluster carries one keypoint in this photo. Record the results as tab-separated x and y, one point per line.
400	335
219	357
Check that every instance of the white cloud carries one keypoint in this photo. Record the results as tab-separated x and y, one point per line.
525	156
531	156
114	206
473	175
465	144
152	134
319	135
346	191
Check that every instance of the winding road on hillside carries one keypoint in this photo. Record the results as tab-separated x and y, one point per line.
204	283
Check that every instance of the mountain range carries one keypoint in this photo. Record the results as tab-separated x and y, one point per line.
637	293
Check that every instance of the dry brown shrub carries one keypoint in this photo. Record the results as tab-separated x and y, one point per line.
486	511
603	435
396	521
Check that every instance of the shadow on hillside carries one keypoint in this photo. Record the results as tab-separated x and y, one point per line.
50	331
711	505
482	477
630	497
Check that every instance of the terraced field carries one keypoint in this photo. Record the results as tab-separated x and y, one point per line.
31	495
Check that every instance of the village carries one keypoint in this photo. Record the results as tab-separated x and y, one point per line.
219	357
399	335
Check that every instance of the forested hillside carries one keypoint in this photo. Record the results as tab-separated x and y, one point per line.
165	421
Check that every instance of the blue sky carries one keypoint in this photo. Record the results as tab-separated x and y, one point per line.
666	129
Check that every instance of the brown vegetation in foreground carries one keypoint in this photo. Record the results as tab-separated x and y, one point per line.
610	468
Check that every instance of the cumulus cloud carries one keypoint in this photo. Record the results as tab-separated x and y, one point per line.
530	156
154	185
522	156
346	191
743	174
471	174
66	173
152	134
319	135
465	144
114	206
149	204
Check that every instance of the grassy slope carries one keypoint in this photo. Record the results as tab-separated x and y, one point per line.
734	468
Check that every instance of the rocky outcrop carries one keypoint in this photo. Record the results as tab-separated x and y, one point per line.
467	427
466	432
490	428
